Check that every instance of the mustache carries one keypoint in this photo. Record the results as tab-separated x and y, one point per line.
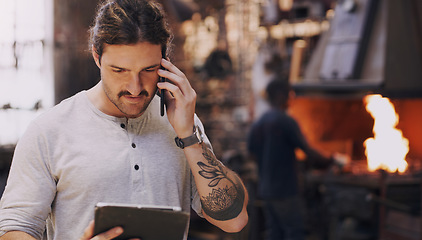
124	93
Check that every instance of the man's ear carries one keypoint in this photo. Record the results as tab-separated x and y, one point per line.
96	57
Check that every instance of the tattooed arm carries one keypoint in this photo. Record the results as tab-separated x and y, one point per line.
223	196
222	193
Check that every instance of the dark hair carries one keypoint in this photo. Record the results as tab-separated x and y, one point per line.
125	22
278	91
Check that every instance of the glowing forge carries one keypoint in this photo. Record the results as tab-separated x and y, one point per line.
388	148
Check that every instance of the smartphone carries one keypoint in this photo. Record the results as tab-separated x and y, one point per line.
162	96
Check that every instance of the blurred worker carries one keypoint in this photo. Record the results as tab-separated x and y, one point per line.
272	141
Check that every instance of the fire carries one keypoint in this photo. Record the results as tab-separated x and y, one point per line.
388	148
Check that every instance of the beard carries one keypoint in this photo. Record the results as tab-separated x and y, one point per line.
130	110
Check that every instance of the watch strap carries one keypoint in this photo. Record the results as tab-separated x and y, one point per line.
189	141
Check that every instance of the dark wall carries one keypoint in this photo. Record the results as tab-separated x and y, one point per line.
6	155
74	68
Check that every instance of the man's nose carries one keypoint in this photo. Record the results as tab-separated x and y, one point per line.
135	85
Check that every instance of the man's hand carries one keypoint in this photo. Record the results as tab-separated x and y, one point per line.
110	234
180	99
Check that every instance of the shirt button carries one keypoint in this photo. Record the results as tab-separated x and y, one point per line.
122	125
133	145
136	167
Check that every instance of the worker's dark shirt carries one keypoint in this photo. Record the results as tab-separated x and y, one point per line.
273	140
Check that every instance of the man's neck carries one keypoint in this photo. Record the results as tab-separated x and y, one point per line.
98	98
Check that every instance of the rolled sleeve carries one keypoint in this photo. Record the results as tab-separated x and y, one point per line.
16	220
30	190
196	200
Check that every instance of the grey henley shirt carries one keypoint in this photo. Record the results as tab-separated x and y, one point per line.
73	156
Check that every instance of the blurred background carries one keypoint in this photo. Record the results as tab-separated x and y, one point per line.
335	54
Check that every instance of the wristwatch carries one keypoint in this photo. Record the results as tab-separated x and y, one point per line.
195	138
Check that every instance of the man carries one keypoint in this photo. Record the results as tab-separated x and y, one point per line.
110	144
272	142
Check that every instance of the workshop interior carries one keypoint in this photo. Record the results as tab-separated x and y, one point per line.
355	67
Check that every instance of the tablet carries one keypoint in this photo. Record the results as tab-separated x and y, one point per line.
147	222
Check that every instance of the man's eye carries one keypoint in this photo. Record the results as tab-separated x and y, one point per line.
150	70
118	70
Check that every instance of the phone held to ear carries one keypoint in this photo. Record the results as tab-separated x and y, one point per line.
162	96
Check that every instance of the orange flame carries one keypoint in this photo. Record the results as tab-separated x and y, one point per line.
388	148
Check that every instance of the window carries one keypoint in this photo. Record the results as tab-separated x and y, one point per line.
26	72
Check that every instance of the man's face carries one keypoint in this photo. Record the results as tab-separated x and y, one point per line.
129	78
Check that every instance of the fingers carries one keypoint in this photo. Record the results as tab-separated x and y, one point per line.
175	92
169	66
177	78
89	231
108	235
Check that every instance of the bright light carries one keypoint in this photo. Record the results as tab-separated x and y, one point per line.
285	5
388	148
26	75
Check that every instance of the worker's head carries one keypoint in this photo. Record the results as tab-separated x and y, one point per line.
127	22
129	39
278	92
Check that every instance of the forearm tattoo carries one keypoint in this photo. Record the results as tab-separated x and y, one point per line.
223	203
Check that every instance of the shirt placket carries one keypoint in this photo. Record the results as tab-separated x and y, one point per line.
135	155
